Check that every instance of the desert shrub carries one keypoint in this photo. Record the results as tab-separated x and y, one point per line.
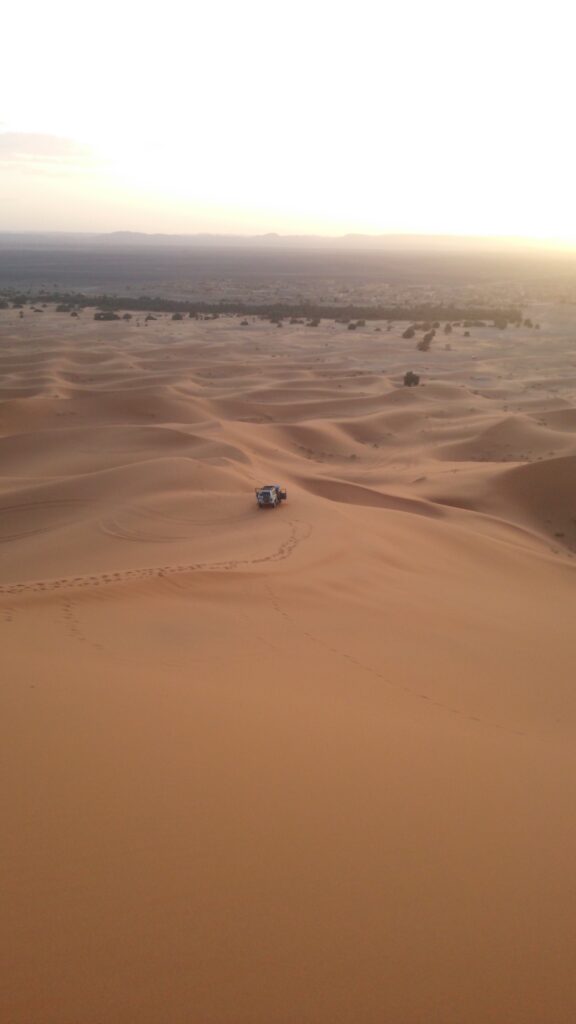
448	329
106	315
243	323
4	304
411	380
409	332
528	322
352	326
177	316
424	345
127	316
63	307
466	334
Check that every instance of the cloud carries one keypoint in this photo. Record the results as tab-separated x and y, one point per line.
40	153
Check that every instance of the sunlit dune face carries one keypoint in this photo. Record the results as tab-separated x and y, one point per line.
421	118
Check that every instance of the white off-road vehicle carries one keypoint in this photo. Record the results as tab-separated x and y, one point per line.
270	495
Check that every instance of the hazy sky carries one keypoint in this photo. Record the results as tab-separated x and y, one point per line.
255	115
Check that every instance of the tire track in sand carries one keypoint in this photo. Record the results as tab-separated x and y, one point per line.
299	532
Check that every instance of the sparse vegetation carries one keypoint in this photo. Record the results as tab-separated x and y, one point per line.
409	332
411	379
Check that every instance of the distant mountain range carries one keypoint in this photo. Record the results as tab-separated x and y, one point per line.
351	242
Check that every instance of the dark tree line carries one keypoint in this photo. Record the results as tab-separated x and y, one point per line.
427	315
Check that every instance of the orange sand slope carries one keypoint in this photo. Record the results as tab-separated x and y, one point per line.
307	765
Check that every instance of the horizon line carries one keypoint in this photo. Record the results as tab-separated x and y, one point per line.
532	241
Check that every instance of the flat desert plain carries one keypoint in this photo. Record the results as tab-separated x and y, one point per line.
311	765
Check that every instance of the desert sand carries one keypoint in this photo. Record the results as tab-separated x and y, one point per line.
313	765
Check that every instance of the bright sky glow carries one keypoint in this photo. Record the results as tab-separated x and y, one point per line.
418	116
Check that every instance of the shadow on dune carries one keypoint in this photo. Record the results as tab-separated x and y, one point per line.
355	494
539	495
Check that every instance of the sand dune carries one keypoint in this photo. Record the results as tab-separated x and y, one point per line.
353	494
560	419
312	764
512	439
545	493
